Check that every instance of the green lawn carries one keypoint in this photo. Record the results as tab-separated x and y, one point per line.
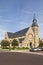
22	48
7	49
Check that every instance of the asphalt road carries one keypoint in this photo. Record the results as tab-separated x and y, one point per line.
15	58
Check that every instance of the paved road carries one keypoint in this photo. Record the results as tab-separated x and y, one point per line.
17	58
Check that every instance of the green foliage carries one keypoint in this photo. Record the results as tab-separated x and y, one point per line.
23	48
41	44
4	43
14	43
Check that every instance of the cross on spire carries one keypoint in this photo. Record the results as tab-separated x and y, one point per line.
34	16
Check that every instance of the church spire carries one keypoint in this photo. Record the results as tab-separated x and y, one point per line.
34	21
34	16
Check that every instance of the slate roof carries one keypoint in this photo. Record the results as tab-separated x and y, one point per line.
34	24
17	34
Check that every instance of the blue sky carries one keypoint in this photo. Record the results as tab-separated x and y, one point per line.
18	14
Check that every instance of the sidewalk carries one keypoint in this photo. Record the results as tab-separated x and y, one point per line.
27	51
23	51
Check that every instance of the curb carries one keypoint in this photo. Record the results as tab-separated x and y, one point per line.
35	53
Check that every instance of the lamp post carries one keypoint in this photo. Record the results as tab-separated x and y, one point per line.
34	37
10	45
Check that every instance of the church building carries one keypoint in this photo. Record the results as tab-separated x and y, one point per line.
27	37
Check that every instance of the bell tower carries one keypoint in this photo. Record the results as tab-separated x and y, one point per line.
35	30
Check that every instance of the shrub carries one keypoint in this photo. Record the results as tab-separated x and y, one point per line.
14	43
41	44
4	43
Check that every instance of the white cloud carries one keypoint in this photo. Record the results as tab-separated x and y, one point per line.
2	32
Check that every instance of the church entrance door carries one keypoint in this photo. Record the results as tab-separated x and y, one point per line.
30	44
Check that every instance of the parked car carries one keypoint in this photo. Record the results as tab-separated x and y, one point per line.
35	49
41	48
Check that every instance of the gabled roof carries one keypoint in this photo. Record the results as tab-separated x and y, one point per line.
17	34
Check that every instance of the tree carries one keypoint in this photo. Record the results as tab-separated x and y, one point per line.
14	43
41	44
4	43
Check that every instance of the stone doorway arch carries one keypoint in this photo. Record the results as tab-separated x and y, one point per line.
30	44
